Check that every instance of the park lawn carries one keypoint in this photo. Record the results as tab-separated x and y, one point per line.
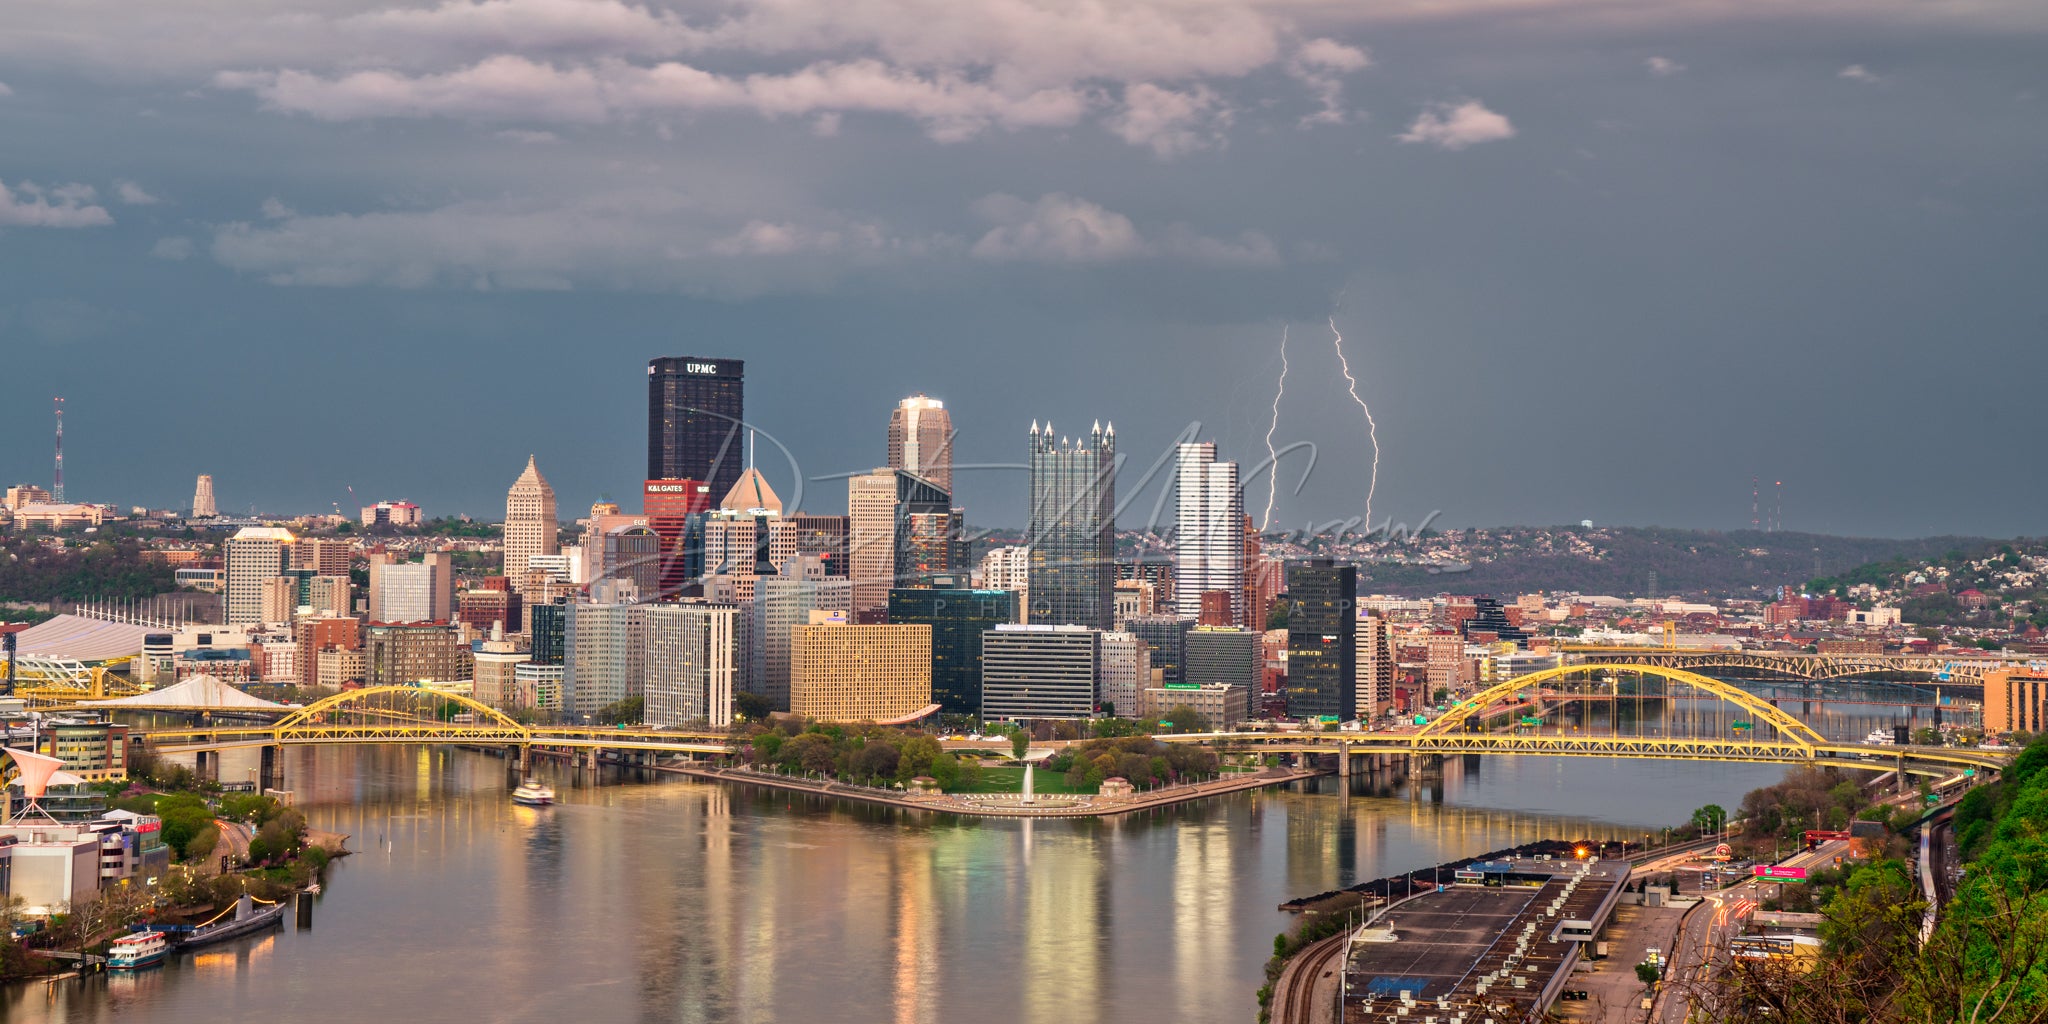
1011	780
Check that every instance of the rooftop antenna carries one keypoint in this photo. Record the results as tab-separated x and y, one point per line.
57	485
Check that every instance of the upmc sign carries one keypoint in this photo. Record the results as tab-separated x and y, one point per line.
1774	871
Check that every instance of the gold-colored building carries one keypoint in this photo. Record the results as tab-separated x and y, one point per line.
845	673
2015	700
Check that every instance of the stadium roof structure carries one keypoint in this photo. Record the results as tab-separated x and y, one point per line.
201	692
77	638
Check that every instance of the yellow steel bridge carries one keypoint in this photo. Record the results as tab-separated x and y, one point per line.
1817	667
1759	732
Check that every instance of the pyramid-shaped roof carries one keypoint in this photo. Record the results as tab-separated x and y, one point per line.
752	494
200	691
531	477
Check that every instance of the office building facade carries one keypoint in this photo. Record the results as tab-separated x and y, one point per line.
255	555
1125	673
1030	672
603	660
696	411
921	440
530	524
689	663
1374	652
958	616
854	673
1072	528
1167	638
1208	522
1321	637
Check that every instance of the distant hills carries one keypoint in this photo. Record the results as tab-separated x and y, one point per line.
1619	561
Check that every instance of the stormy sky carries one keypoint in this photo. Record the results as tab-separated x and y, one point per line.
1591	260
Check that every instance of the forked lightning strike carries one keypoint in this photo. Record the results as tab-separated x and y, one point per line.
1372	428
1272	456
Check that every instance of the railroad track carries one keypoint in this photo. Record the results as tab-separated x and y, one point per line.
1294	1002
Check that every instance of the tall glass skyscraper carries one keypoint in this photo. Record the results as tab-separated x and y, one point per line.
1208	530
1321	639
696	413
1072	531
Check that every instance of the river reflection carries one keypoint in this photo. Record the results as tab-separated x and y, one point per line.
664	900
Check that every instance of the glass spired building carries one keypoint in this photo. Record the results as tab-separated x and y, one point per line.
1072	531
696	412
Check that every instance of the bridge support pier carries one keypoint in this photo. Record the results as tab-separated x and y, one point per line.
272	775
1900	767
199	762
1343	760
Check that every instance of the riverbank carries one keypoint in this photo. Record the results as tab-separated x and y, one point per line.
1002	805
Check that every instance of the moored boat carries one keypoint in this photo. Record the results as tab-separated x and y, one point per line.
137	950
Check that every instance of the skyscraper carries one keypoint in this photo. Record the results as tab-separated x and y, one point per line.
1208	552
530	525
958	617
1374	651
1072	529
695	420
254	555
688	658
203	506
1321	639
921	440
871	541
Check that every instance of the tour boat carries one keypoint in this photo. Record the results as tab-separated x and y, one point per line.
533	793
138	950
1881	736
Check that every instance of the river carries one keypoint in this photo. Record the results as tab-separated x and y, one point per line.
650	898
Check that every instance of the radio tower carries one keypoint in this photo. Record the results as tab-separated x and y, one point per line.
57	485
1753	524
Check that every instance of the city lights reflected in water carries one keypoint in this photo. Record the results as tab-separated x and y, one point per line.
662	900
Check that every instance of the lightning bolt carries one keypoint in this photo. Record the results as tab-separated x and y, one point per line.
1372	428
1273	457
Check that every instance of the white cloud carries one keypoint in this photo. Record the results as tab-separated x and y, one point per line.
5	91
1458	125
1063	229
1663	67
1858	73
1321	64
1058	228
29	205
1171	122
175	247
509	87
275	209
133	194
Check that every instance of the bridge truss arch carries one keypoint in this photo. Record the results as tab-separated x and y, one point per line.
1792	731
397	714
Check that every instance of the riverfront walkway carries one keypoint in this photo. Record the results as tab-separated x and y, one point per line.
1004	805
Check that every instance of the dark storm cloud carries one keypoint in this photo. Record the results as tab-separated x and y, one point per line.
1590	263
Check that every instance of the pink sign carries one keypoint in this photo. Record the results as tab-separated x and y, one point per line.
1774	871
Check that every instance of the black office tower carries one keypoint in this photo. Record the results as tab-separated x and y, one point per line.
696	413
958	618
1321	650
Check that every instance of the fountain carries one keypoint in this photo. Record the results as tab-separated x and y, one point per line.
1028	767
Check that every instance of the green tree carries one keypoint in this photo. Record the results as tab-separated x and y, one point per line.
1186	719
752	706
622	712
1020	741
1710	818
1646	973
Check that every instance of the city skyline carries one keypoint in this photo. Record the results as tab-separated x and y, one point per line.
1586	266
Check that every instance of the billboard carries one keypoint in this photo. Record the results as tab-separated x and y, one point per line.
1775	871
